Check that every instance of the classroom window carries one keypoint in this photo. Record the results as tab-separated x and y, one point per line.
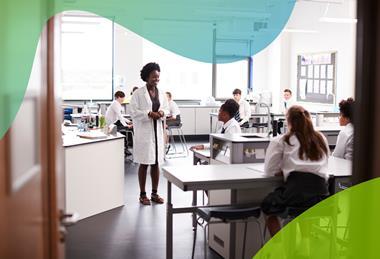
185	78
86	57
230	76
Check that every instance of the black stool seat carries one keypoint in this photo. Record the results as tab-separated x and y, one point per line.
228	213
175	126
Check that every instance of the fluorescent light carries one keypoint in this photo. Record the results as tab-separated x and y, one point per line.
299	30
338	20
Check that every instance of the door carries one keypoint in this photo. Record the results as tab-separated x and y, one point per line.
31	186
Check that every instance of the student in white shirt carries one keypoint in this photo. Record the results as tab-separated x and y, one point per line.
301	157
285	105
113	113
244	112
288	100
114	116
226	115
174	116
345	142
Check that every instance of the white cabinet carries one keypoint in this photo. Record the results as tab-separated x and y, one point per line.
202	120
188	120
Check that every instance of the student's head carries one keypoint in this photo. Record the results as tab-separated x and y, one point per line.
134	89
237	94
150	74
228	110
169	96
119	96
346	109
312	145
287	94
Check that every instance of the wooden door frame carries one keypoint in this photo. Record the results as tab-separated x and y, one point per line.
366	163
55	150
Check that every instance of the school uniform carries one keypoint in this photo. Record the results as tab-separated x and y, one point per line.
305	181
345	143
244	113
173	112
230	127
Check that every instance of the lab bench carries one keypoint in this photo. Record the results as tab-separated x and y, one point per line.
94	174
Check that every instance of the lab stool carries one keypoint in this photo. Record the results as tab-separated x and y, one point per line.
182	139
126	133
225	215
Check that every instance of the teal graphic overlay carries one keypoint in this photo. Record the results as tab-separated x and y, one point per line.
207	30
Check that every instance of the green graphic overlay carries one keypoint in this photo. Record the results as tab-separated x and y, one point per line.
342	226
198	29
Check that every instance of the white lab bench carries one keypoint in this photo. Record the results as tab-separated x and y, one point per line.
94	174
246	182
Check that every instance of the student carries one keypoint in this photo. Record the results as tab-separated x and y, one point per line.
345	142
113	113
301	157
244	113
128	99
226	115
114	116
288	100
174	116
149	107
286	104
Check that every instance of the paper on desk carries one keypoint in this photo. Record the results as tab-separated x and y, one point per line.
92	135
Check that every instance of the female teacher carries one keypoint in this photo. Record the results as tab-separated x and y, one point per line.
148	109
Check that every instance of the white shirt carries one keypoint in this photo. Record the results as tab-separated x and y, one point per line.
286	104
345	143
113	114
282	157
245	111
173	109
231	127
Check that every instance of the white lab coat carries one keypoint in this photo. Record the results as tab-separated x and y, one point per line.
144	149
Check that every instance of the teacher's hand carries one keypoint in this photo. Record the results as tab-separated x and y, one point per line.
154	115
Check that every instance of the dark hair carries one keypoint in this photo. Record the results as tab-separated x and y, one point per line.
169	94
119	94
231	107
288	90
237	91
311	142
147	69
346	108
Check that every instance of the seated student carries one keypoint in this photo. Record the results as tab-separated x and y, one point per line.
301	157
226	115
174	116
345	142
114	116
244	113
287	102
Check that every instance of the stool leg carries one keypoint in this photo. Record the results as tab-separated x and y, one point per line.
244	238
194	241
205	241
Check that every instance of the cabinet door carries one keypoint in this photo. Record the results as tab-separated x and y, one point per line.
202	123
188	120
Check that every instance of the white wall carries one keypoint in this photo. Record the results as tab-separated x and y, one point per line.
128	59
275	68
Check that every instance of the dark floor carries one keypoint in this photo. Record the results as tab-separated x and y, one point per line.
136	231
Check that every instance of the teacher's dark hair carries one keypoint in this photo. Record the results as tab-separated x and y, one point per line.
147	69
